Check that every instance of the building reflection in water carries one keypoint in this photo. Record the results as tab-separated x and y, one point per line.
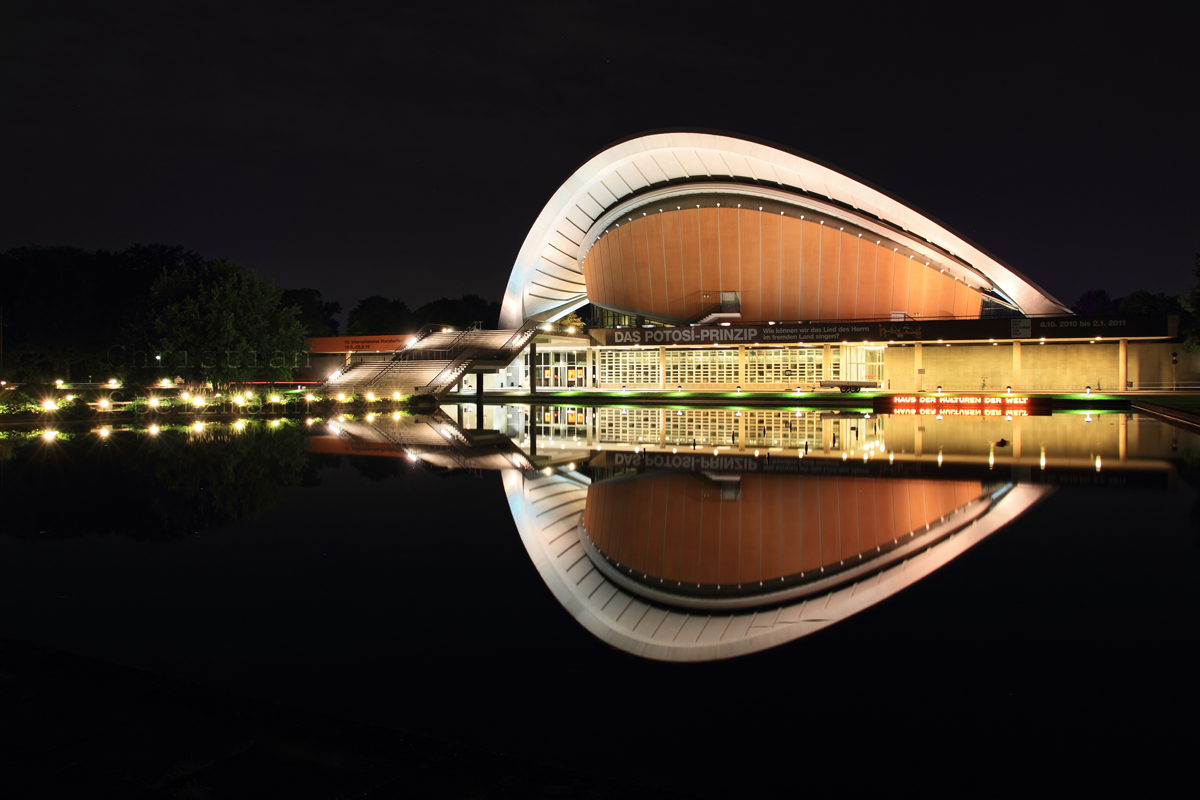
765	529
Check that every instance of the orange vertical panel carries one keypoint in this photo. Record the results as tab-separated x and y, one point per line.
960	298
639	558
639	232
731	541
864	305
658	527
885	276
900	281
962	493
946	296
750	265
633	298
885	518
730	275
598	282
916	287
710	256
673	263
689	253
847	275
810	270
900	506
610	258
627	530
673	528
602	521
830	526
933	288
771	288
693	525
867	522
789	294
772	528
847	517
916	504
810	520
615	511
789	498
753	511
945	498
656	256
613	268
599	529
933	502
588	282
974	303
710	540
830	272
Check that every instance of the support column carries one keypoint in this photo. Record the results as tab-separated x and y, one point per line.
587	374
1122	435
826	433
917	367
1122	366
1016	368
533	421
479	401
827	364
742	432
743	378
662	427
532	366
662	368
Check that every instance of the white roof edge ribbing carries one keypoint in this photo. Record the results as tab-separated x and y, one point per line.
546	510
626	168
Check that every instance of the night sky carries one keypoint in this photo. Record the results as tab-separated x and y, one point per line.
405	149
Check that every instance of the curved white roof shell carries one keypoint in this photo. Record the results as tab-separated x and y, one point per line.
548	511
547	278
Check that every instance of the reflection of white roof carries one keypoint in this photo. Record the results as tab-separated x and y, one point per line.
547	278
548	511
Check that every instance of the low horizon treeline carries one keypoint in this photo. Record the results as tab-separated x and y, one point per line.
67	311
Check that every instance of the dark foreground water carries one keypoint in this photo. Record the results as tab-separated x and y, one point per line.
380	589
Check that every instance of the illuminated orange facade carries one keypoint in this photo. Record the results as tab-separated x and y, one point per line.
679	528
673	262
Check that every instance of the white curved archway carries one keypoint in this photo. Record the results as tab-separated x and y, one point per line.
547	279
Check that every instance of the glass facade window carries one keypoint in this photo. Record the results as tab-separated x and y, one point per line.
562	368
709	427
703	366
629	368
863	364
629	425
784	365
606	318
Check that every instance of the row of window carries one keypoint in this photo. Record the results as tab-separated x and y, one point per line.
722	427
776	365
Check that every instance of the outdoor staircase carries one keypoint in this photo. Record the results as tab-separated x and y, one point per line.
432	362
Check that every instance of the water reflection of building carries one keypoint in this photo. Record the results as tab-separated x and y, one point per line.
687	555
787	577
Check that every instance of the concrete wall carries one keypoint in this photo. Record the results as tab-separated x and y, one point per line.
1044	367
1150	365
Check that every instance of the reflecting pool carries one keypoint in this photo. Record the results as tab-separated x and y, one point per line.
483	572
